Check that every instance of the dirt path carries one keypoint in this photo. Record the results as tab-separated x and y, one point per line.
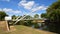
12	28
4	25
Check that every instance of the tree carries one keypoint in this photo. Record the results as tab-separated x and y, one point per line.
36	16
13	17
28	17
36	25
53	14
43	15
28	23
2	15
55	5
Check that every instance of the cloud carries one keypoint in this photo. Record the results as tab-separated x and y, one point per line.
31	5
0	9
39	8
17	11
5	0
7	10
25	4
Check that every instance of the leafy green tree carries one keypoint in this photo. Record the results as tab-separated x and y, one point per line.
36	25
13	17
28	23
28	17
43	15
2	15
53	14
36	16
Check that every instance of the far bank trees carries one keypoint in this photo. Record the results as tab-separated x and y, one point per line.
53	14
2	15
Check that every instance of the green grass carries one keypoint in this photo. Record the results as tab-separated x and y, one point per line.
20	29
24	30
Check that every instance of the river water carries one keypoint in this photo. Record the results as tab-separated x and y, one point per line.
41	26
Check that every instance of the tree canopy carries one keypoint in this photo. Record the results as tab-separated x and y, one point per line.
13	17
28	17
53	14
36	16
2	15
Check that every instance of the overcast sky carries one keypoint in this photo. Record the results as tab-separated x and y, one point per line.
21	7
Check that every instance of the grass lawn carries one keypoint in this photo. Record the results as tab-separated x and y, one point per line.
20	29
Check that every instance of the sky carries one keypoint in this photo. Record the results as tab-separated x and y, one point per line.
25	7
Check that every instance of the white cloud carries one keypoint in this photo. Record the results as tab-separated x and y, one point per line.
25	4
0	9
39	8
17	11
10	10
31	5
7	10
5	0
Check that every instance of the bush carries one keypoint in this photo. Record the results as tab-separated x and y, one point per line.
28	23
36	25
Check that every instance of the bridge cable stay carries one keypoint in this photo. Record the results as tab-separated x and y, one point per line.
22	18
17	18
